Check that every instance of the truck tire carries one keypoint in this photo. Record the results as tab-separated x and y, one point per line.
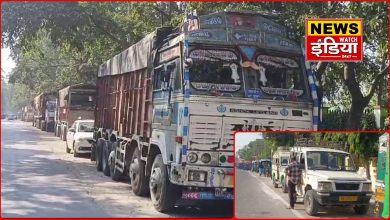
115	174
274	182
93	152
310	203
139	182
361	209
284	185
106	152
162	192
99	155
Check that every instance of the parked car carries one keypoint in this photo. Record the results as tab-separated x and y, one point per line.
78	137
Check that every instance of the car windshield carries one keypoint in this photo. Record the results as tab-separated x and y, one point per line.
215	71
323	160
86	127
276	77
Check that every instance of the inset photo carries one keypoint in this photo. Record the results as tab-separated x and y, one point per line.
311	174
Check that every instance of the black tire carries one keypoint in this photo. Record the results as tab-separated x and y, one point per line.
99	155
310	203
139	182
93	152
43	126
284	185
67	148
162	192
75	154
274	183
115	174
106	152
361	209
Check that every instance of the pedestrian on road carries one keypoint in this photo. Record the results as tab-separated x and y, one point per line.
261	169
294	177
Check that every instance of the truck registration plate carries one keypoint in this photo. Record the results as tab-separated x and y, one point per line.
348	198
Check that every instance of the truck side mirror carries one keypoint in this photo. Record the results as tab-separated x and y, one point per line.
72	130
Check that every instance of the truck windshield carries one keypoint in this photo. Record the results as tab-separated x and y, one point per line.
214	72
82	100
323	160
284	161
277	77
50	106
86	127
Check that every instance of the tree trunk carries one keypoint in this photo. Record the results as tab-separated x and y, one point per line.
367	166
356	113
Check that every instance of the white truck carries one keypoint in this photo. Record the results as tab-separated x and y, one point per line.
167	107
329	178
280	161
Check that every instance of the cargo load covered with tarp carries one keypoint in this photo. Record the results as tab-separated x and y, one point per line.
124	87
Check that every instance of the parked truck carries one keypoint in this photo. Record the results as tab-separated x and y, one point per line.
27	113
44	107
168	106
74	102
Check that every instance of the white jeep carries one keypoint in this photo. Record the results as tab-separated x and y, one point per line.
280	161
329	178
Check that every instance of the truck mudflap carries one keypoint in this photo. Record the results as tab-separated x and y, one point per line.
216	194
202	176
343	198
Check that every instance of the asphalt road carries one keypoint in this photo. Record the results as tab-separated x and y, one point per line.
257	198
38	179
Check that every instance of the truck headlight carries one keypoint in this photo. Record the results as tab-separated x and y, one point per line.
192	157
205	158
367	187
324	187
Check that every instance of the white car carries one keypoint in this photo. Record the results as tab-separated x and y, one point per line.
78	135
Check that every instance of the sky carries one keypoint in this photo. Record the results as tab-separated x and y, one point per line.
6	62
243	138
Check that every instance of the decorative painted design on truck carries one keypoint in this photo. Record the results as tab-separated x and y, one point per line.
213	55
254	93
244	36
169	54
219	87
221	108
242	21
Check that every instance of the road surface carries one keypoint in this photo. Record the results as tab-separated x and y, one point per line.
38	179
257	198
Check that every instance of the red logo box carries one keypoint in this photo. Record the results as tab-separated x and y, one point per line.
334	40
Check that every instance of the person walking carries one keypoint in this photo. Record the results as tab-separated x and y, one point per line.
294	177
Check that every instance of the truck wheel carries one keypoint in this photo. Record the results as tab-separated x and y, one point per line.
99	155
115	174
284	186
106	152
361	209
310	203
43	126
274	182
162	191
139	182
93	152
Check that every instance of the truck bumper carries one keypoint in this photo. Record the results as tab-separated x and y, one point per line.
211	194
202	176
343	198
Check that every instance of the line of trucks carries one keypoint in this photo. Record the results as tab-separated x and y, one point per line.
165	110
